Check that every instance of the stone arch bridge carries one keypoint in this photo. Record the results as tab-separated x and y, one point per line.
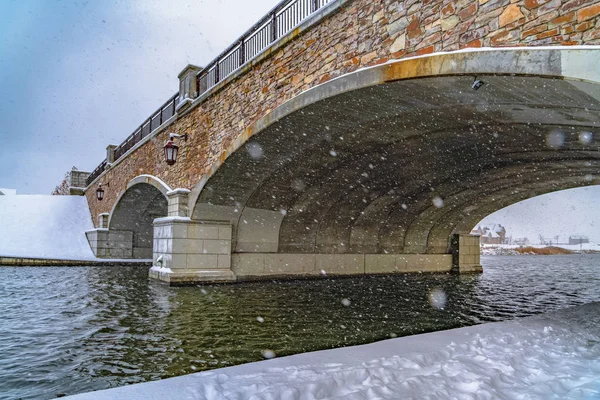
353	140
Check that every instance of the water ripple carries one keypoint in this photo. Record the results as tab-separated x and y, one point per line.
72	330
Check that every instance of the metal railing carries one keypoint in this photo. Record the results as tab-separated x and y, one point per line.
281	20
278	22
147	127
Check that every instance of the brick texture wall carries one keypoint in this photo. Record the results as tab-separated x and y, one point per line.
361	33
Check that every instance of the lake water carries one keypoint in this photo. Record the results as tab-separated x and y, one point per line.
72	330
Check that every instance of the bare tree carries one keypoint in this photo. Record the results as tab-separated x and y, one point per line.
63	188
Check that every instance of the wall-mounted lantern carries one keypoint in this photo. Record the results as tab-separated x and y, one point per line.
100	192
171	149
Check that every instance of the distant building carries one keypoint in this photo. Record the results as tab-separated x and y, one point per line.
8	192
490	234
578	239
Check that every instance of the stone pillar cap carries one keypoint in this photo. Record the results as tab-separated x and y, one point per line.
188	68
178	191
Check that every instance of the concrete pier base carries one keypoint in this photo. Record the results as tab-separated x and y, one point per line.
110	243
250	266
189	252
466	254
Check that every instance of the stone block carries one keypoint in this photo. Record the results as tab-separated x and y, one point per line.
290	264
225	232
203	231
179	231
175	261
202	261
164	245
186	246
341	264
217	247
224	261
246	264
163	232
381	263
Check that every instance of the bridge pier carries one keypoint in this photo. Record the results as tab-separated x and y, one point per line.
107	243
186	251
466	254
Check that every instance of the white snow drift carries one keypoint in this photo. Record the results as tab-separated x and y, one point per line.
49	227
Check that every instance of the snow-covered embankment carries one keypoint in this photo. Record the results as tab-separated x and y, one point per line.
46	227
552	356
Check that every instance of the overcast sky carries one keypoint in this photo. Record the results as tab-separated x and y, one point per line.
79	75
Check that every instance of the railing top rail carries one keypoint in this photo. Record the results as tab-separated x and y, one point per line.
261	23
258	37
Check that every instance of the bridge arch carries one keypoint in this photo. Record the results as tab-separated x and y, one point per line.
356	164
144	200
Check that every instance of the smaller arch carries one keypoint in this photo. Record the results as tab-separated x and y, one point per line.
140	179
151	180
132	215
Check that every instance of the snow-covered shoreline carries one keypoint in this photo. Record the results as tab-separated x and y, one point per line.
550	356
511	249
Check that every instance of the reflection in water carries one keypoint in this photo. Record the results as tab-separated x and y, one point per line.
71	330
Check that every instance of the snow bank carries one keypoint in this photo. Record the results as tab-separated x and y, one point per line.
552	356
49	227
510	249
8	192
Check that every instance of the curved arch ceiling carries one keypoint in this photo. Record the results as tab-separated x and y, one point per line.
136	210
358	172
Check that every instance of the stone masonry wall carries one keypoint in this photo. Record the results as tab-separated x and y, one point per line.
361	33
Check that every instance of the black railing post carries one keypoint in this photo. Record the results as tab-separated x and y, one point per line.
242	52
217	79
315	5
273	27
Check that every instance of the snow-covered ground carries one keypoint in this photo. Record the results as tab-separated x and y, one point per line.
552	356
509	249
49	227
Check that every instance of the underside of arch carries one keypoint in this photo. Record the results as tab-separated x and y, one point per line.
134	213
399	166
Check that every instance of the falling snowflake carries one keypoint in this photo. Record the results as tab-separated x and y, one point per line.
255	150
555	139
268	354
586	137
437	299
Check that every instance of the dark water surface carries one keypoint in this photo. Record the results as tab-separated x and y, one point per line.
73	330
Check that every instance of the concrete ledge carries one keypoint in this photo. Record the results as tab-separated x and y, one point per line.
38	262
470	269
190	277
255	265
